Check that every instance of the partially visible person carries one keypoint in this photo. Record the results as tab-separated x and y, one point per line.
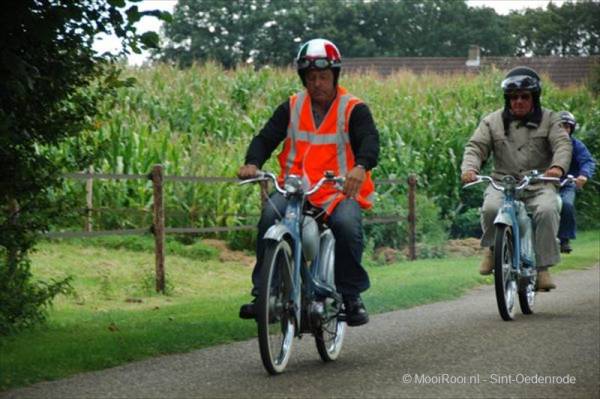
582	168
521	137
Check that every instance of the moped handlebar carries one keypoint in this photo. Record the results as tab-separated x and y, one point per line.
532	179
525	181
567	180
265	176
481	179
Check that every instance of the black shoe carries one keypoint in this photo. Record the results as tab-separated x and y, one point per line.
248	310
356	314
565	248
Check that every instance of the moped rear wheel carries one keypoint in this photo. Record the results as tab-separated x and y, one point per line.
274	316
329	337
504	277
527	294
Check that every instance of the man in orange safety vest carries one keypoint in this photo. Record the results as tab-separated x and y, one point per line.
323	128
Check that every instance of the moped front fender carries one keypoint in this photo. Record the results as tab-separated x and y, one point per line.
503	217
277	232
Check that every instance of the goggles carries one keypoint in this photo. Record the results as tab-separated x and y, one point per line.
316	63
520	82
568	121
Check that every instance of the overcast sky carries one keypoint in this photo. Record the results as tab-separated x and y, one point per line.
150	23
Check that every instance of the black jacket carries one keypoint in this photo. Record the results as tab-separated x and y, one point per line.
364	137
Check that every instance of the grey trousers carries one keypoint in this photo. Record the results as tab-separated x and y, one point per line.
542	202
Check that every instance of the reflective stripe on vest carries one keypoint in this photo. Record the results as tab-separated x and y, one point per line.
306	153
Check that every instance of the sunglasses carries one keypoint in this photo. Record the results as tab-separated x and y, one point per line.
566	125
317	63
524	97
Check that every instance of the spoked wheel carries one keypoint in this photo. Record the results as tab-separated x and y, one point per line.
527	294
504	276
274	317
329	337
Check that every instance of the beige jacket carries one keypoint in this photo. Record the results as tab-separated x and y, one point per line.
522	150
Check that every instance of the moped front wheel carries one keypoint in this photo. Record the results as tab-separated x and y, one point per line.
505	281
274	316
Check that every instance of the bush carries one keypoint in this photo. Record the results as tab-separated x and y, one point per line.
594	81
24	302
467	224
430	228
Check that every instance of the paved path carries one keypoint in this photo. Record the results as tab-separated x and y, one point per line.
458	348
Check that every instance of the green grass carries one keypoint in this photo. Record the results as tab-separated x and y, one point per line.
114	317
188	248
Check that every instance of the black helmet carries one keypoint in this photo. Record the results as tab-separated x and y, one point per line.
569	119
526	79
522	78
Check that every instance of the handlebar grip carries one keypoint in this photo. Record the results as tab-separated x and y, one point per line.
472	183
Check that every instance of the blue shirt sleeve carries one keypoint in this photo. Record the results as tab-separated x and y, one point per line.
585	161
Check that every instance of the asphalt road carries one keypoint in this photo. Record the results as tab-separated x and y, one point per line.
459	348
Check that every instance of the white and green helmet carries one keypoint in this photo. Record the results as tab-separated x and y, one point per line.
318	54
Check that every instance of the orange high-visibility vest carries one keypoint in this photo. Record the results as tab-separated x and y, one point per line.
309	151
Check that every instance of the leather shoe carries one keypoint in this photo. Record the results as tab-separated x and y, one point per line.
487	263
565	247
544	281
356	314
248	310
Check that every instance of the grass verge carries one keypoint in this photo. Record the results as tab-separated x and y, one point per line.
114	317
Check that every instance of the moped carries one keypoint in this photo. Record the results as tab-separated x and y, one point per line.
515	269
297	293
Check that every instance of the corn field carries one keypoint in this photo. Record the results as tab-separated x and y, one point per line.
199	121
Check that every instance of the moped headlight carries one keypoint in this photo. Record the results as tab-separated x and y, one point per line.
292	184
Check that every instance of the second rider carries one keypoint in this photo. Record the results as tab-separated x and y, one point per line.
522	137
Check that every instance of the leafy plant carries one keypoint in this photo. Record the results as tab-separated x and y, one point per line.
199	122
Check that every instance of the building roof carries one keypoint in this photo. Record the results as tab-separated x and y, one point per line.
563	71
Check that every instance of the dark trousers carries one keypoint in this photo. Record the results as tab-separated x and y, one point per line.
568	225
346	224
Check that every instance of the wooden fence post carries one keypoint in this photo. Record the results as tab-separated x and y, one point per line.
89	195
158	227
412	218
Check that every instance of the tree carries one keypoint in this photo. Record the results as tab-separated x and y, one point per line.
572	29
52	81
270	31
233	32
